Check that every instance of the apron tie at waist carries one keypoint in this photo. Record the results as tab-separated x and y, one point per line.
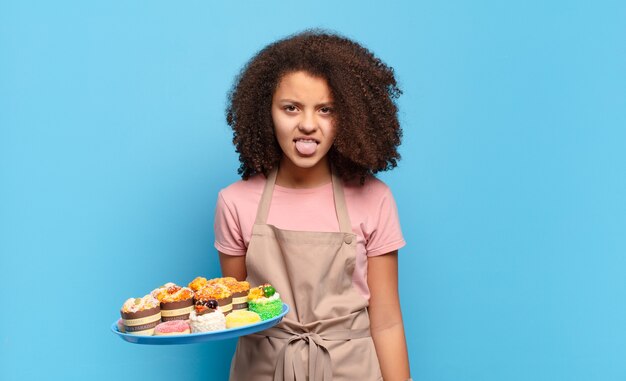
289	365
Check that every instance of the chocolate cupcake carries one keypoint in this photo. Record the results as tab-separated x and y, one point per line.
141	315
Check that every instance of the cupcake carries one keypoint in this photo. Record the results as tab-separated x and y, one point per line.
223	280
265	301
172	327
207	316
197	283
158	291
240	318
176	302
141	315
120	325
218	292
239	291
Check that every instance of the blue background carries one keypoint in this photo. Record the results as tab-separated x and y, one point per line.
113	146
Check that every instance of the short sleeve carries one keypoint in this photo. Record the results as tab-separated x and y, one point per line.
386	234
228	236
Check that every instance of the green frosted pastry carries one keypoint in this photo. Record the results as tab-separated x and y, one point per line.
265	301
266	309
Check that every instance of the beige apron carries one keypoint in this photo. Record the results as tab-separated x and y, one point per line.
325	335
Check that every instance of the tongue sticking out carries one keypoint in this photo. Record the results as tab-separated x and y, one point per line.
306	147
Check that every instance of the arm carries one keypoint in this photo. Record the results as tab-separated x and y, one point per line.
233	265
386	318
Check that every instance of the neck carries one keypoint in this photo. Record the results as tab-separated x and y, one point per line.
291	176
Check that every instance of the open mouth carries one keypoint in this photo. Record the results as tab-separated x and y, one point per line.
306	146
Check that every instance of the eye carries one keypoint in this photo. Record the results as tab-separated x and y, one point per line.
326	110
290	108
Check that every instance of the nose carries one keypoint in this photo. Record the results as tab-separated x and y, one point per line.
308	123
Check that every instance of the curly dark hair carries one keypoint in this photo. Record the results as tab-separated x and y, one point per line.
363	88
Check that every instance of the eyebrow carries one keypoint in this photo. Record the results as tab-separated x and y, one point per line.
286	100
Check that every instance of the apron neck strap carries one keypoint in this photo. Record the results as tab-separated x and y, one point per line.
340	205
340	202
266	198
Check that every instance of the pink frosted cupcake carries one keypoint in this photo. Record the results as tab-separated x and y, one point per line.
120	325
172	327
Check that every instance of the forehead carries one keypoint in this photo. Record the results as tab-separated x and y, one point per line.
302	86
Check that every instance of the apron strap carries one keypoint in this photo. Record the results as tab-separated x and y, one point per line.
264	205
289	365
338	197
340	206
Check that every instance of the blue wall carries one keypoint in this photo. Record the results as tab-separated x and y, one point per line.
113	147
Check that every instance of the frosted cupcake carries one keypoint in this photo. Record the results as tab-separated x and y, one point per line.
158	291
141	315
218	292
239	291
240	318
265	301
176	301
172	327
207	316
120	325
197	284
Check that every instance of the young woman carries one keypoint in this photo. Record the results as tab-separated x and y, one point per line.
314	119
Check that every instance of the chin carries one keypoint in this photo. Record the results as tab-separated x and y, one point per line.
305	162
305	165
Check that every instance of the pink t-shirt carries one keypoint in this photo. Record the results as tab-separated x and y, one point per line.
371	207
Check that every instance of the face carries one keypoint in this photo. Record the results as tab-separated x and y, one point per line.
302	111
